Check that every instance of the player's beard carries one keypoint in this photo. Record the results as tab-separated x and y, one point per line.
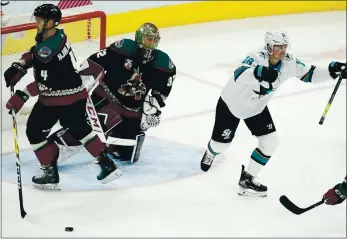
39	37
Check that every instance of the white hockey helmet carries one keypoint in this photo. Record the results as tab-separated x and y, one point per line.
275	38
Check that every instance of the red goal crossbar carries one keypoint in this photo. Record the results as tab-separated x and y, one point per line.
67	19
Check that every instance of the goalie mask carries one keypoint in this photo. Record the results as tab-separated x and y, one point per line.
147	36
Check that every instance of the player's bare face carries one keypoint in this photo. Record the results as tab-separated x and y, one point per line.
40	22
279	51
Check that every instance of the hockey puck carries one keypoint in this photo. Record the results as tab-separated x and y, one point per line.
68	229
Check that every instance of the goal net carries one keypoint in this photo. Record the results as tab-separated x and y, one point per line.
86	31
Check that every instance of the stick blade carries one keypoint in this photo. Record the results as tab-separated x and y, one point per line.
290	206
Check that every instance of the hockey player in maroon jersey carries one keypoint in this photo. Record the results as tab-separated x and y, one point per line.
62	97
135	79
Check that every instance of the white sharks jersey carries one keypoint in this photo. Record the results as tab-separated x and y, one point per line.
246	97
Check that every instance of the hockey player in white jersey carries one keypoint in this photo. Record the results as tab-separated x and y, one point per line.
246	96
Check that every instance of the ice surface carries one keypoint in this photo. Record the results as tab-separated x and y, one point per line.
311	158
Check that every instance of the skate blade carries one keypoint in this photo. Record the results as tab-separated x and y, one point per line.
205	167
48	186
251	193
112	176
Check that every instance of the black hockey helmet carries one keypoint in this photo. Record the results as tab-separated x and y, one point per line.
48	11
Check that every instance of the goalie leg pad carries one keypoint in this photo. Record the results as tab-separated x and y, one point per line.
137	148
127	153
68	145
64	137
109	116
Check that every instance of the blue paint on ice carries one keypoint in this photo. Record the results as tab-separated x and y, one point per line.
160	161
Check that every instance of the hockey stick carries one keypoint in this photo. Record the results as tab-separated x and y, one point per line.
96	125
16	151
327	107
97	128
23	213
295	209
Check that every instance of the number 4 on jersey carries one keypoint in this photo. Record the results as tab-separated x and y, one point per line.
44	74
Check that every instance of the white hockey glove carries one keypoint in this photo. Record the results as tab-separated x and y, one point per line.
91	73
151	113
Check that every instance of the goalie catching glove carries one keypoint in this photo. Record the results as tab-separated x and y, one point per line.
151	113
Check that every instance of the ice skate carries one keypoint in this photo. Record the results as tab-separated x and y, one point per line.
49	178
206	161
109	170
249	187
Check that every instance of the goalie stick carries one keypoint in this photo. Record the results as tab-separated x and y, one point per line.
284	200
96	125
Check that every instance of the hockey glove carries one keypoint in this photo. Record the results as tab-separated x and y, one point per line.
17	101
335	195
337	67
264	73
14	73
151	113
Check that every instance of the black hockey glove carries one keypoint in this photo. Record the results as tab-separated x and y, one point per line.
14	73
264	73
337	67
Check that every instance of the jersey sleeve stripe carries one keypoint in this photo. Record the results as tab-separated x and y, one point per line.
239	71
308	76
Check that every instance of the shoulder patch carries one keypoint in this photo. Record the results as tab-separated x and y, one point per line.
44	52
119	43
163	61
125	46
263	55
48	48
288	57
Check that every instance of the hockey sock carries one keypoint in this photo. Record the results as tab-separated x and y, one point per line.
46	153
257	161
93	144
216	148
